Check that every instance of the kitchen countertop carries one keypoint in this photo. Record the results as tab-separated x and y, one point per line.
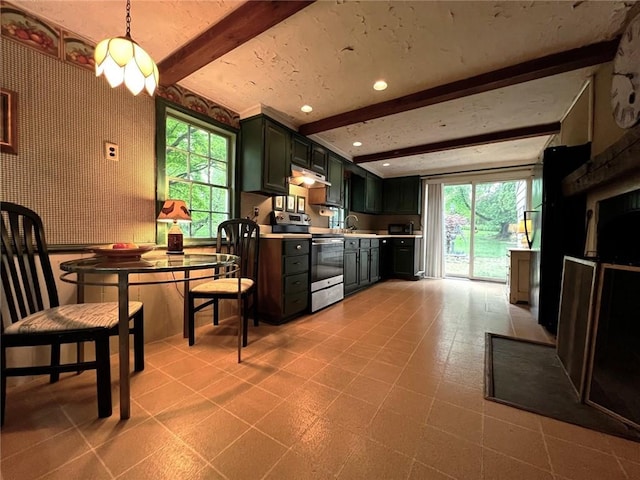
266	233
346	235
285	235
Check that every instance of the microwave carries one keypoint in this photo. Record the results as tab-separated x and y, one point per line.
400	228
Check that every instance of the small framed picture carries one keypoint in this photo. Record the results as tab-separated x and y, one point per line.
8	121
291	203
300	203
278	203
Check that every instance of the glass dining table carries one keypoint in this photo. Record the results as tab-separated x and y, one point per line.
99	271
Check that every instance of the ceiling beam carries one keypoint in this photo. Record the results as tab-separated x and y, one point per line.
241	25
554	64
482	139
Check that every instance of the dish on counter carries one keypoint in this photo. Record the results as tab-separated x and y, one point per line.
121	251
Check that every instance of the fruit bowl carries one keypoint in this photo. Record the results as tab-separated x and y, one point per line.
121	251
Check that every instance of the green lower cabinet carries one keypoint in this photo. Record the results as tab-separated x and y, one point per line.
404	256
364	267
361	263
374	261
350	271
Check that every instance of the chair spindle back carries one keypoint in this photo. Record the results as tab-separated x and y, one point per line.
241	237
28	284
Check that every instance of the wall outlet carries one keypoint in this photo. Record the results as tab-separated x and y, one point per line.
111	151
256	211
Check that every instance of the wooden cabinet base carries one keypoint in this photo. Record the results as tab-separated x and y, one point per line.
283	285
519	267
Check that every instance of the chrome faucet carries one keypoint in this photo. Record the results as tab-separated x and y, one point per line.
346	222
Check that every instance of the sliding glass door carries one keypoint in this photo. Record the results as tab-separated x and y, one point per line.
457	230
481	225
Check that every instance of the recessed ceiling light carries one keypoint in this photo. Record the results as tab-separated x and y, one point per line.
380	85
357	144
386	164
306	108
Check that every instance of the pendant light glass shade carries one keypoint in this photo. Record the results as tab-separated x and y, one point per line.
121	59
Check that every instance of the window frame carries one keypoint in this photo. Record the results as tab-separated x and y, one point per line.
165	108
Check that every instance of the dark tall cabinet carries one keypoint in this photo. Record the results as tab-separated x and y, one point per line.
265	158
560	226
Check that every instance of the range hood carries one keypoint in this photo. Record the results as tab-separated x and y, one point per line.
306	178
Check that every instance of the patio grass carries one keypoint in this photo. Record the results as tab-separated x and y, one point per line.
490	255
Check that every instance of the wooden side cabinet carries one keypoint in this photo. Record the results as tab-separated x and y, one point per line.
518	278
283	282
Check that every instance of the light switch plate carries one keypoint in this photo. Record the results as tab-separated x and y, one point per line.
111	151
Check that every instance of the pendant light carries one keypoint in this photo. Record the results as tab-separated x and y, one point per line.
121	59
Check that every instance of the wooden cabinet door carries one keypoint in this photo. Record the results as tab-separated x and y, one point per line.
277	166
363	267
391	191
350	270
300	151
403	260
402	195
410	197
319	159
335	193
374	265
357	193
373	194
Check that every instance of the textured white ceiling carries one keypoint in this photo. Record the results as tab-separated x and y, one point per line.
329	54
533	103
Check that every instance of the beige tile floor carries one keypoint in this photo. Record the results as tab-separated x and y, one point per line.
387	384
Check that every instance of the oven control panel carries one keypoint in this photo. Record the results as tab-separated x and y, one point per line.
286	218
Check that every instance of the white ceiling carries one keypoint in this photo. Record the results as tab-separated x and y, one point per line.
330	53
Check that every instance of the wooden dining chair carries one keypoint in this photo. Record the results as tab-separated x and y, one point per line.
33	316
239	237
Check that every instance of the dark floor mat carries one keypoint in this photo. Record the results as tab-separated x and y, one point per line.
528	375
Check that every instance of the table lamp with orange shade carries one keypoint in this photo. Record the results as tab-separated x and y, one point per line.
174	211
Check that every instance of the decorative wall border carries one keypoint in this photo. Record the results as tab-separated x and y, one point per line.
188	99
50	39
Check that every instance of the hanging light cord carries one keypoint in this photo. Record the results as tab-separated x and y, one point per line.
128	19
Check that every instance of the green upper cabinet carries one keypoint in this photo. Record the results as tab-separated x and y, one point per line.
265	156
300	150
374	193
402	195
319	159
334	195
366	192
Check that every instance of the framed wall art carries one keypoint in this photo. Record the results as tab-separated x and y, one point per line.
278	203
8	121
301	201
291	203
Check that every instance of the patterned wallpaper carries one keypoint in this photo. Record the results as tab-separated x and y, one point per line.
50	39
65	115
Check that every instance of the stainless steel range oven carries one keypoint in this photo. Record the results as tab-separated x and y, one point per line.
327	268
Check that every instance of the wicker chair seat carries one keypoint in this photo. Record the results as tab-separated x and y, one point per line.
71	317
224	286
